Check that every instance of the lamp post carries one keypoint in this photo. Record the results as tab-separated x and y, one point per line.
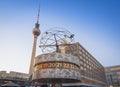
112	80
118	82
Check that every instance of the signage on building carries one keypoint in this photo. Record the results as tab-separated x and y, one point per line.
56	65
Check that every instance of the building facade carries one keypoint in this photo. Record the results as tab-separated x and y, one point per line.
12	76
92	72
113	76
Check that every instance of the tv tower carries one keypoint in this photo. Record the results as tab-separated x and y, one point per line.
36	32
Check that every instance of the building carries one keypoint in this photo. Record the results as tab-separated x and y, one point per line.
113	76
92	72
12	76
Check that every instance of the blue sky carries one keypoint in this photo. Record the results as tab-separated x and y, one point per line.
95	23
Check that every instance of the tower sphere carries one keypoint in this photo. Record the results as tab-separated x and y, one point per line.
36	31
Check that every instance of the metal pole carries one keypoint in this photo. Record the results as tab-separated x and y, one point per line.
112	80
57	47
118	83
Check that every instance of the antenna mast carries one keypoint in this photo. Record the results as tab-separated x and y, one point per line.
38	16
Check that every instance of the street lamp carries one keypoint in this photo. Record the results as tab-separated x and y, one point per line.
118	82
111	80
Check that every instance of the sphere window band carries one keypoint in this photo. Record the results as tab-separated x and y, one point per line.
56	65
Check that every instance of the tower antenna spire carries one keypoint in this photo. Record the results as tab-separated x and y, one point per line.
38	16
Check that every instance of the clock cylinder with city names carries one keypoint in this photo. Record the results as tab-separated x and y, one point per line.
56	67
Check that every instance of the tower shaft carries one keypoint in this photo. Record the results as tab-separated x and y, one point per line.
31	69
